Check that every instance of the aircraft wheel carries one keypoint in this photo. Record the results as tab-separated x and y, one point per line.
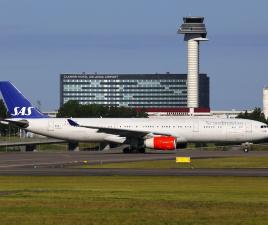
246	147
126	150
141	150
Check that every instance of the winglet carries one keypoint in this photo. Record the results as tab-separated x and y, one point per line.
73	123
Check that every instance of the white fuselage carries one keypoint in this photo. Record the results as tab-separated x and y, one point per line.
184	129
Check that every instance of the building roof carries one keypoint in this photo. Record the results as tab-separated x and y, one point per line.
127	76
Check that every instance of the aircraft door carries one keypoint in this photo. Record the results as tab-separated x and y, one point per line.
249	130
248	127
195	126
50	125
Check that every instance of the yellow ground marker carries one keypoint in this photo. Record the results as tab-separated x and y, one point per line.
183	159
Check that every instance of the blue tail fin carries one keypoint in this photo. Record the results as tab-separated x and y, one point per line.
18	106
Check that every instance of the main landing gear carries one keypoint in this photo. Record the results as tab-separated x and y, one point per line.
134	150
135	145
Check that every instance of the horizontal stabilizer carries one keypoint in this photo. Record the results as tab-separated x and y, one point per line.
18	123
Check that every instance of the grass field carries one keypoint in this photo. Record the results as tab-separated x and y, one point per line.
133	200
233	162
47	147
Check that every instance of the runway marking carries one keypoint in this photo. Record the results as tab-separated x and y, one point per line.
134	172
16	160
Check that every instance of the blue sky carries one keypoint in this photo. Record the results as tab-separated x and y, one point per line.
41	39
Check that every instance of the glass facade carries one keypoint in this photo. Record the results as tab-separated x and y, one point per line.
131	90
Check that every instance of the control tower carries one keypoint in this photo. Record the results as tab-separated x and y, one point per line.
194	31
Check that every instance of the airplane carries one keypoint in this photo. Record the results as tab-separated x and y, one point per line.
138	133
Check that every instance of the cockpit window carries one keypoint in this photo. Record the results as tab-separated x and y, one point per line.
264	126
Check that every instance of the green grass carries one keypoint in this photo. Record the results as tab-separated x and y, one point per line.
52	147
64	147
45	147
133	200
234	162
259	147
10	138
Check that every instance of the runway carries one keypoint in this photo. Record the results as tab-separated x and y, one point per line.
59	163
54	158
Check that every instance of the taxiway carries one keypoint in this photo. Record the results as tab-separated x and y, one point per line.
62	163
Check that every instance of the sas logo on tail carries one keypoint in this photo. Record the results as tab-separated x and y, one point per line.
22	111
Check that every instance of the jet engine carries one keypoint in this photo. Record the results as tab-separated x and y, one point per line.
161	143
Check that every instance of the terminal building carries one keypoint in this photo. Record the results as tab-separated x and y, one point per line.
152	92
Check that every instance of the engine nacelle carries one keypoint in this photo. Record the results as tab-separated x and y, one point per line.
161	143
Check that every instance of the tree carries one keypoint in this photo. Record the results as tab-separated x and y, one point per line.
255	115
3	109
74	109
69	109
3	115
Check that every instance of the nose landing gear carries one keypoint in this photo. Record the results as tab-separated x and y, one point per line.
246	147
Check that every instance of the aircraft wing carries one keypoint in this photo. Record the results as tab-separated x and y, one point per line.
117	131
